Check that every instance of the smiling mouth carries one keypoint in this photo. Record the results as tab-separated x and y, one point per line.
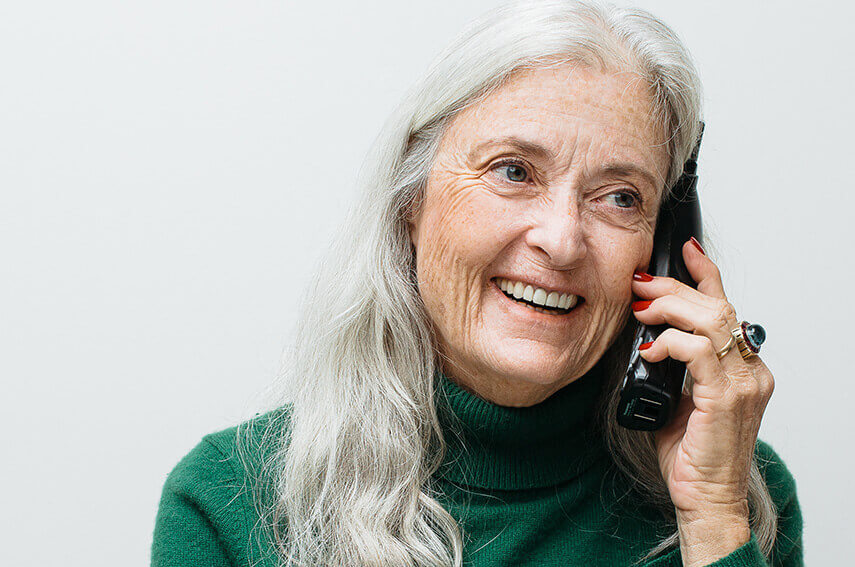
537	307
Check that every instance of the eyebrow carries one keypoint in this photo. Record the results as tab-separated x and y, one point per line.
622	168
626	169
524	146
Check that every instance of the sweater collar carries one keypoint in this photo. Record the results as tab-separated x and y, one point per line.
508	448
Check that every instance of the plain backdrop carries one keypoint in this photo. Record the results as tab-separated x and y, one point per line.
172	170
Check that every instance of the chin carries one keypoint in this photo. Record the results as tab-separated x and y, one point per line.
542	365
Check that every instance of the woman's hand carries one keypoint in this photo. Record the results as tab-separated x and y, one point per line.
705	452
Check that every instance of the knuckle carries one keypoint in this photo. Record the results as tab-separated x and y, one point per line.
670	333
715	270
764	377
732	396
741	392
723	314
768	385
750	389
704	345
674	286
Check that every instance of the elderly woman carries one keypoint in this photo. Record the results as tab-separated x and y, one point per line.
461	352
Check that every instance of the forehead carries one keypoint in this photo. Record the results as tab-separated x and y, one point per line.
565	105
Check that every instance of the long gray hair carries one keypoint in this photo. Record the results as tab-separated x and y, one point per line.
350	481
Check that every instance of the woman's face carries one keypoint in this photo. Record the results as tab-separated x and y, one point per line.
553	181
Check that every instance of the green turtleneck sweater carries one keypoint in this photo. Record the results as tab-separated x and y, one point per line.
530	486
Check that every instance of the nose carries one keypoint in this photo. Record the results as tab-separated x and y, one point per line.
559	236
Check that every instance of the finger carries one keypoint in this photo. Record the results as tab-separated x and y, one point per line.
713	386
660	286
696	351
714	320
703	270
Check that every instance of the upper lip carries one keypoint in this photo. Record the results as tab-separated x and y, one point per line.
540	282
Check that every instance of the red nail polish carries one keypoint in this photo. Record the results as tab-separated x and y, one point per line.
645	346
641	305
642	276
698	245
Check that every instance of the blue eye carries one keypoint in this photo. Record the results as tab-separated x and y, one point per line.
626	199
514	171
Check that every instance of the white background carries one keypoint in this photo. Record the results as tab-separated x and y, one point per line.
171	171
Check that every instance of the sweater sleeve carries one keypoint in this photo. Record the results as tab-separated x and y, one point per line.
199	519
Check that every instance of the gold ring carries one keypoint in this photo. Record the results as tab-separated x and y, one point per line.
738	333
726	348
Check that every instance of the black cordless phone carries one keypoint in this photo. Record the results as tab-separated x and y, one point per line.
651	391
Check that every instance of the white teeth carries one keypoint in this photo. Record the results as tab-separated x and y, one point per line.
528	293
538	295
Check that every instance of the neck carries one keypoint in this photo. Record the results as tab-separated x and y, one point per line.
495	446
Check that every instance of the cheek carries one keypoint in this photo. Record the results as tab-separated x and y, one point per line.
445	256
464	231
460	239
618	256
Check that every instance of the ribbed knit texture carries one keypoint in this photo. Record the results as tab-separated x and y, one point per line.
528	486
507	448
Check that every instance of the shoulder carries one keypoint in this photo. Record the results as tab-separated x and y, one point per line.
246	446
788	548
779	479
231	453
207	504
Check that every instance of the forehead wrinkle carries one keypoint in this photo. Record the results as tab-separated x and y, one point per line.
528	116
516	109
522	144
653	122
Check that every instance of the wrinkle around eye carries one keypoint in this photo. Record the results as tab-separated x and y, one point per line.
631	223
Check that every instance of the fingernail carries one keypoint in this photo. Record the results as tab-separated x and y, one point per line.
645	346
641	305
642	276
698	245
